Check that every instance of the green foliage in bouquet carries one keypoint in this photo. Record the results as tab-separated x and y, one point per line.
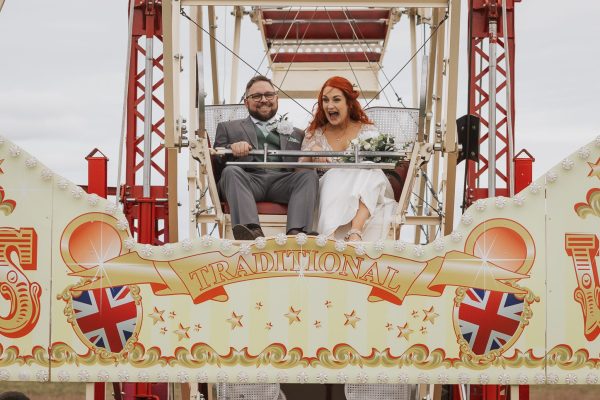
381	142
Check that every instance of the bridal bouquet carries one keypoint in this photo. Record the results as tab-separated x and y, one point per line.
373	141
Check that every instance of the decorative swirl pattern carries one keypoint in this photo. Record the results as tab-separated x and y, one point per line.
592	207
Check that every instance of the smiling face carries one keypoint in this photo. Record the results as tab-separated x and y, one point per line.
261	109
335	106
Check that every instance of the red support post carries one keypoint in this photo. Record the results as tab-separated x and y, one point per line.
97	173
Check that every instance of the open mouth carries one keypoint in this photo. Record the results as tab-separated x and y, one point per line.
333	114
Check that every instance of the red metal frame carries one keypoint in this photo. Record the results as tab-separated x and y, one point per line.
481	13
148	217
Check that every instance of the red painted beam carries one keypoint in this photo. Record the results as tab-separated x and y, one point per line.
325	57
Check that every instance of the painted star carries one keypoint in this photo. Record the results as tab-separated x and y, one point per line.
172	314
268	326
351	319
163	330
197	327
594	172
293	315
182	332
1	171
404	331
328	303
389	326
235	320
317	324
430	315
157	316
259	305
414	313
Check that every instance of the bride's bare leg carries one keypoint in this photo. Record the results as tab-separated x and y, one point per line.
358	222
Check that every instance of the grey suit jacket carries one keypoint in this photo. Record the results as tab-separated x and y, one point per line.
244	130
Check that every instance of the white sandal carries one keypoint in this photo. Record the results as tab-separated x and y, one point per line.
351	232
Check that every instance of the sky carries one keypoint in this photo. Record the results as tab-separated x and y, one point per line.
62	67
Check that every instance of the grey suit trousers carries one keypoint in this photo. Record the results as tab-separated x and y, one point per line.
243	188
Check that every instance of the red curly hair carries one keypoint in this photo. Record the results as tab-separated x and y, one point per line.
355	111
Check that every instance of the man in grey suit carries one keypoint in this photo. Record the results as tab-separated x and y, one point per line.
243	187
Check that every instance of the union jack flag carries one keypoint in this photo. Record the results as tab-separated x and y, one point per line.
488	319
107	317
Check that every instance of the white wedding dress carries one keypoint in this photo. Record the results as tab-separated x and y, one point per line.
340	191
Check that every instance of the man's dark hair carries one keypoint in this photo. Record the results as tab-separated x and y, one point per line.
13	396
257	78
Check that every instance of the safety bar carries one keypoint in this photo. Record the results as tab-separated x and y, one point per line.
351	165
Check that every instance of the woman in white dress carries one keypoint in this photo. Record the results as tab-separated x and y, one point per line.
354	204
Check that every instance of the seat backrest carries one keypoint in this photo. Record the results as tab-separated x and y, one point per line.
222	113
402	123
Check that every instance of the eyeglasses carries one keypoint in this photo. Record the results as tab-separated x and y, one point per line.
259	96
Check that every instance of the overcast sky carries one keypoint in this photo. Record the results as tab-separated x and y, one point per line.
62	74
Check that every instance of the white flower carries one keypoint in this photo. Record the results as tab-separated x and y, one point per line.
302	377
202	377
591	379
584	153
162	377
4	375
143	377
567	164
423	378
31	163
260	242
500	202
147	250
463	378
41	375
379	245
93	199
322	377
206	241
245	249
484	379
399	246
456	236
503	379
182	376
187	244
262	377
362	377
301	239
480	205
438	244
83	375
321	240
130	243
222	377
354	142
522	379
551	177
63	184
382	378
342	377
63	376
15	151
242	377
167	249
77	192
226	244
519	199
122	225
466	219
281	377
340	245
443	379
367	146
539	378
418	250
535	188
360	249
552	379
111	209
46	174
285	127
102	375
571	379
403	379
281	239
123	376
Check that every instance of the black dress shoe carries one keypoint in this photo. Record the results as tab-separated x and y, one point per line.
297	231
247	232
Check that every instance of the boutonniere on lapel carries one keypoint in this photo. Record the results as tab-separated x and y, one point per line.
282	126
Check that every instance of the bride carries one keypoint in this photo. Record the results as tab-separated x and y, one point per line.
354	204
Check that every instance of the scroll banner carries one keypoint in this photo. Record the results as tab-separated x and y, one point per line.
204	276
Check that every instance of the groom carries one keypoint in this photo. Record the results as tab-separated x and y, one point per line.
243	187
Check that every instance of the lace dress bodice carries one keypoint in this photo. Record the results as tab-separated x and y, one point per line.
318	141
